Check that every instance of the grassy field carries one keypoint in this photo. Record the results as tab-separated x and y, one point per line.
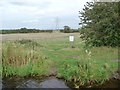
35	54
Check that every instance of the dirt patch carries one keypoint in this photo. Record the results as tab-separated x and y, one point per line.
74	57
112	83
53	71
116	60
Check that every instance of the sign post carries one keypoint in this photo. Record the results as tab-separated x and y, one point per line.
71	39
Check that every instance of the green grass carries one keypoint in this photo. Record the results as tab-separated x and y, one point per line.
76	65
22	60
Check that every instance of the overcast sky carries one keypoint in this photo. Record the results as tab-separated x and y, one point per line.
40	14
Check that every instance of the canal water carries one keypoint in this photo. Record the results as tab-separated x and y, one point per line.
50	82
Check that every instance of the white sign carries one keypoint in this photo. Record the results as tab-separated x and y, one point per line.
71	38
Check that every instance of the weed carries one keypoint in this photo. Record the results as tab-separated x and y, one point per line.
79	65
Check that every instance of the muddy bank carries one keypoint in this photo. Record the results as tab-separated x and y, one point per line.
113	82
53	82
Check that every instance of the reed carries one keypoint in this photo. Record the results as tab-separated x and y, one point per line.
21	61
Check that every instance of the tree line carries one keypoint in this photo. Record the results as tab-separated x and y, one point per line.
25	30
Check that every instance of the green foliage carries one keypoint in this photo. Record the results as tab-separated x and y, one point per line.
72	31
67	29
77	65
29	43
17	59
100	24
90	69
24	30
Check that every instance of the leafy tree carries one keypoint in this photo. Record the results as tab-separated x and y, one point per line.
67	29
100	24
23	28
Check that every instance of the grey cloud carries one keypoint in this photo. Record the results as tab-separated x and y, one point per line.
43	4
20	13
18	3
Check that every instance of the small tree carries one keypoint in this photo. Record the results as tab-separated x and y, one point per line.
23	28
100	24
67	29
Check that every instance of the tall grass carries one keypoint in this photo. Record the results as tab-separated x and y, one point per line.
94	67
79	65
17	59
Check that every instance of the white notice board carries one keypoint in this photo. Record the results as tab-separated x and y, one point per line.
71	38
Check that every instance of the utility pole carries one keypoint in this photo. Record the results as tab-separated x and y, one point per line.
57	24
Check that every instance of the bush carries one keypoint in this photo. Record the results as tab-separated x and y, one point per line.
100	24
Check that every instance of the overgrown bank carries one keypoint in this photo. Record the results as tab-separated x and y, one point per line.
78	65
